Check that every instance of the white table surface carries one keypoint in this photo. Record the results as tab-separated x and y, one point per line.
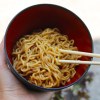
87	10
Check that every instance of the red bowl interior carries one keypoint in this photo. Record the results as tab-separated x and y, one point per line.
43	16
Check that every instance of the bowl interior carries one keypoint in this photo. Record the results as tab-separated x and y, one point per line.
44	16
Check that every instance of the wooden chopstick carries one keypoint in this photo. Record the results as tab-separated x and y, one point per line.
80	53
79	62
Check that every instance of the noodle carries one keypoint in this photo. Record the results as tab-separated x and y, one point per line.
36	57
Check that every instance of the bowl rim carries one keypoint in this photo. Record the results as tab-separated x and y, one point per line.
22	78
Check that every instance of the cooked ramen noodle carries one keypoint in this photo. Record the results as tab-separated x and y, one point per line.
36	57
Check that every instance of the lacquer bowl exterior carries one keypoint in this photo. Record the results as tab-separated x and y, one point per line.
43	16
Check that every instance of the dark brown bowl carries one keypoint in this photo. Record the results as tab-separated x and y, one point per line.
43	16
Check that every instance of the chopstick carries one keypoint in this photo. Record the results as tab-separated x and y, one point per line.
80	53
79	61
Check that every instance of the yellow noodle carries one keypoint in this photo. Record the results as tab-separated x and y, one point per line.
36	57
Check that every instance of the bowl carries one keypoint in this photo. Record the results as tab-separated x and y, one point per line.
42	16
